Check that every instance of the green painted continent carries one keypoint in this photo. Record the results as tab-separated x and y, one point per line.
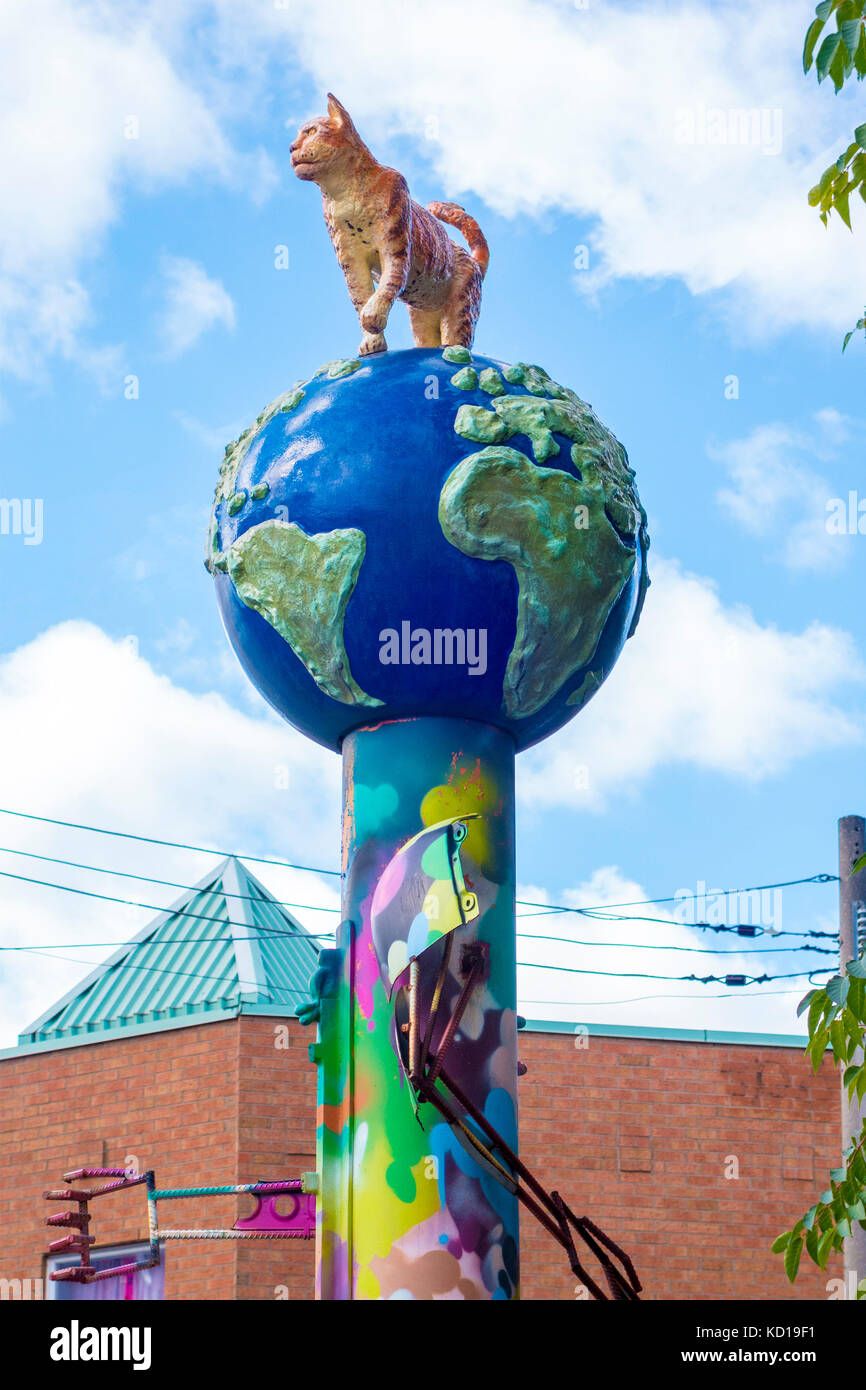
302	585
570	561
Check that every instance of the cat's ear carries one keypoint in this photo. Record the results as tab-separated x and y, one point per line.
338	113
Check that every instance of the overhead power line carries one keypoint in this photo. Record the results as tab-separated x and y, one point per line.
147	878
547	908
188	974
739	928
152	907
739	980
278	931
167	844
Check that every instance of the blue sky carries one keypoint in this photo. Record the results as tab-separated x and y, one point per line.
729	739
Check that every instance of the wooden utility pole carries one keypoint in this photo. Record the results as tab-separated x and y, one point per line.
852	913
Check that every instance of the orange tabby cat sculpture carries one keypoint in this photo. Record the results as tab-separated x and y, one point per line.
388	246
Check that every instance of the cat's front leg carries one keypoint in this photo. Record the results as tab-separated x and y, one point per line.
395	271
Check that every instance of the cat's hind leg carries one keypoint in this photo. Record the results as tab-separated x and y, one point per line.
461	311
426	327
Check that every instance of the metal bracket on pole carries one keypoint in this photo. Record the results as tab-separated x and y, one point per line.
266	1222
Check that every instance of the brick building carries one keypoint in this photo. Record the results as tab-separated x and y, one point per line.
693	1150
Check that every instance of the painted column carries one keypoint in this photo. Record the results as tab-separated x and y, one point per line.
406	1211
852	894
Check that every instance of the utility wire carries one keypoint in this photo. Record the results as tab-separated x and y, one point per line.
696	979
548	908
278	931
567	941
740	928
526	965
168	844
564	969
641	998
146	878
189	974
152	907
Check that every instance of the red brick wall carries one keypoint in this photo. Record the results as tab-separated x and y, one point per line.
169	1099
635	1133
276	1138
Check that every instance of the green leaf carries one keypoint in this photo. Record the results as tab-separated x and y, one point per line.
813	33
838	1040
824	10
857	968
812	1245
780	1243
838	987
826	54
859	864
842	1228
806	1001
842	209
817	1048
857	1211
850	31
809	1218
792	1258
825	1245
827	178
850	1074
826	1196
816	1009
838	1174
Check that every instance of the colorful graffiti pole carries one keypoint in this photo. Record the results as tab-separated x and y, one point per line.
409	1206
427	561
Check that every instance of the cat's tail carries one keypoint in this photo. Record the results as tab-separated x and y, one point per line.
456	216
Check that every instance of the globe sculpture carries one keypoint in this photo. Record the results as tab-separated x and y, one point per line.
428	533
426	560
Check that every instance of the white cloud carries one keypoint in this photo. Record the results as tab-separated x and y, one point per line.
97	99
194	303
774	492
701	684
102	740
91	103
663	946
598	131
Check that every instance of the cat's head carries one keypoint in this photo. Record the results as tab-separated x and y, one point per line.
326	145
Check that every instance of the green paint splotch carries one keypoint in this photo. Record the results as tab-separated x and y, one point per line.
498	505
302	585
340	367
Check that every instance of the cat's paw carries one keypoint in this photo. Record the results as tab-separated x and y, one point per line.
374	314
372	342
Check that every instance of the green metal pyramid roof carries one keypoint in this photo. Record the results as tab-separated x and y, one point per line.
225	947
